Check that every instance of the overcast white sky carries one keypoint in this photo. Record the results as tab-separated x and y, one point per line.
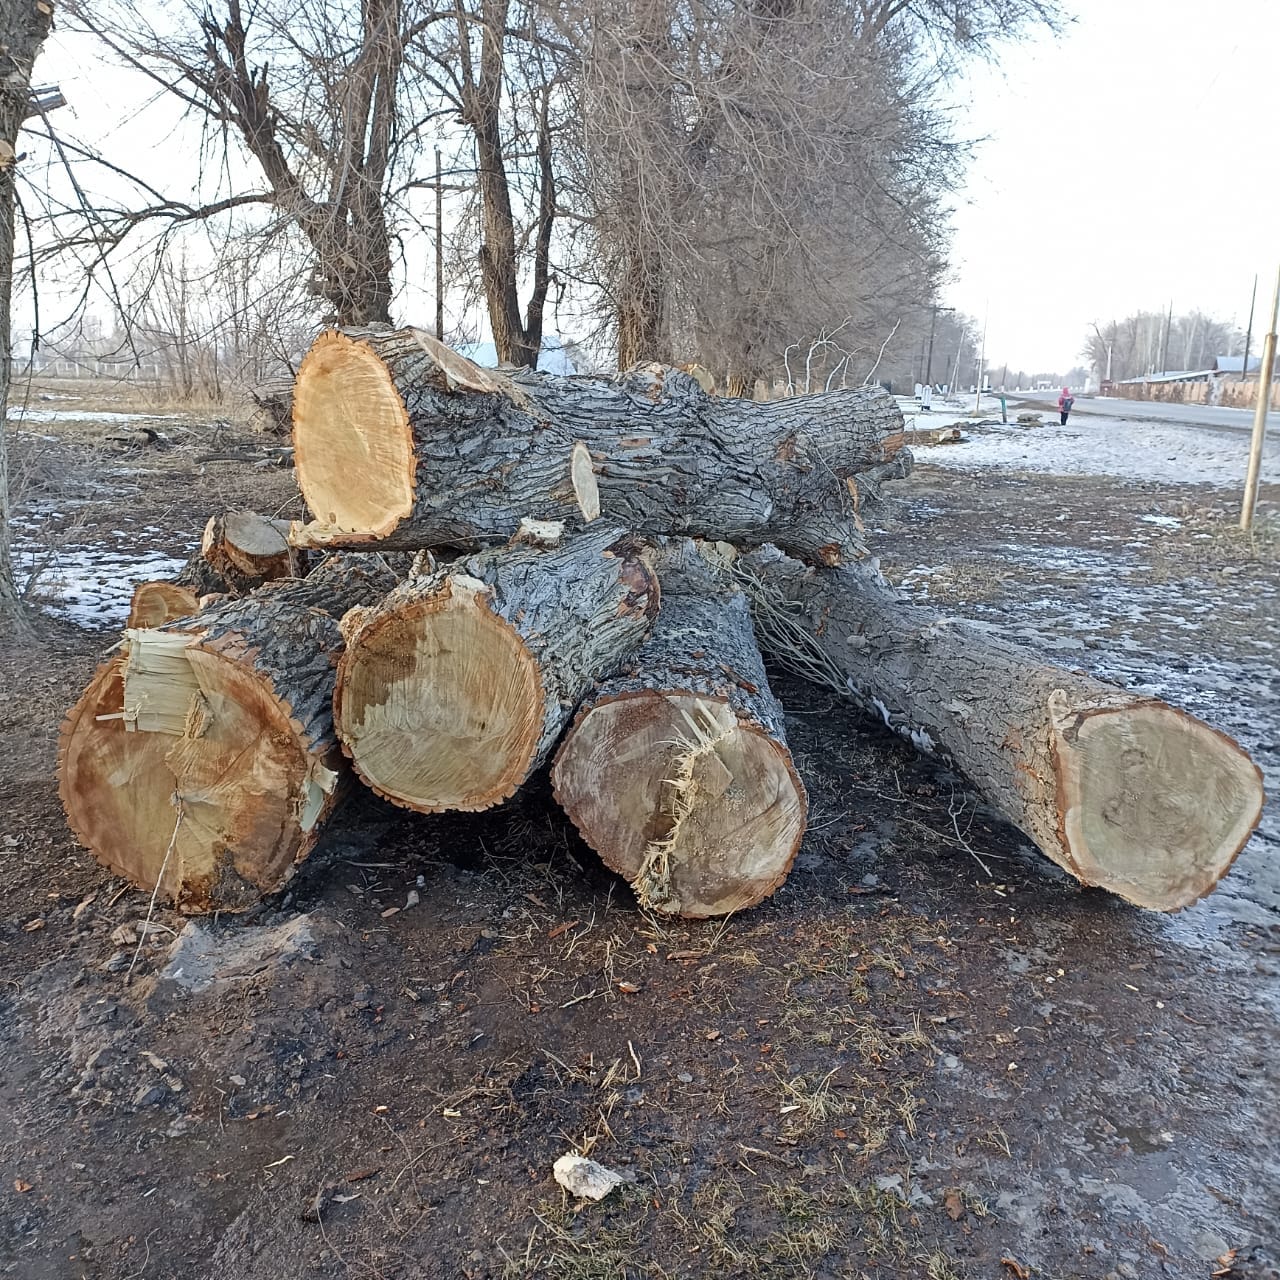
1132	161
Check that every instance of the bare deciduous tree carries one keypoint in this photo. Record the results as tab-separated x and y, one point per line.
313	94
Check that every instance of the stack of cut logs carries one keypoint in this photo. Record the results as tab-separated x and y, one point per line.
509	569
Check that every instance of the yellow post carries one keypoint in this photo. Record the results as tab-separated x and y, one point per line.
1265	376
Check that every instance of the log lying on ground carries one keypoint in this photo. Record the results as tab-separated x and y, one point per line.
239	551
1124	792
676	772
456	686
203	757
400	441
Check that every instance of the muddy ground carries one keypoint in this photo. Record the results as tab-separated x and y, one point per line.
930	1054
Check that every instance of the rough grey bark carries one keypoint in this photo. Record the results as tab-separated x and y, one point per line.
287	631
700	658
489	448
213	779
1010	721
575	609
24	25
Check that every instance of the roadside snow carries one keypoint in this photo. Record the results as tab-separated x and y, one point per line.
1096	446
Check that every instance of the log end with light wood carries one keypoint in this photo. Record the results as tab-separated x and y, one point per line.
676	772
200	763
238	552
454	688
237	827
1125	792
1152	803
248	549
155	603
401	442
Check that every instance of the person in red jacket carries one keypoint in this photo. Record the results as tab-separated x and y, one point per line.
1065	401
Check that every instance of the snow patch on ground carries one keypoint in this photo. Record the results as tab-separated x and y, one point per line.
18	414
1160	451
86	582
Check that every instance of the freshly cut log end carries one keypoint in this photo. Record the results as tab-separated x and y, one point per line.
239	551
155	603
441	705
201	762
701	812
353	447
676	772
455	687
1155	805
248	549
250	799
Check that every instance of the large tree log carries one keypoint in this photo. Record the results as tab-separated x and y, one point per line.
456	686
400	441
203	757
1122	791
676	771
239	551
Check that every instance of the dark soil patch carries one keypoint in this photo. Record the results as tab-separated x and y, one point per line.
898	1066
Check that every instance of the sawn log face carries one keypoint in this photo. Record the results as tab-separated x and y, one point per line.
676	770
203	757
457	685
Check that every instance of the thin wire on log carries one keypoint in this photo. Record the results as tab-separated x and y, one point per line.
151	906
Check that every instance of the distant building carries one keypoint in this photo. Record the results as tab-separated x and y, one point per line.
1235	364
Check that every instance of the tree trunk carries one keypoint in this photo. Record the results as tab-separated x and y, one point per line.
676	771
456	686
24	24
400	441
1122	791
240	550
203	757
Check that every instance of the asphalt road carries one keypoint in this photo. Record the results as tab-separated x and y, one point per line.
1187	415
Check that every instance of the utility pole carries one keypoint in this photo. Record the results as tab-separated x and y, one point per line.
1248	333
928	368
1265	376
439	250
982	359
1168	327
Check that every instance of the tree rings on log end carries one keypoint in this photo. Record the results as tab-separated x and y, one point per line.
438	703
701	812
1154	804
353	448
155	603
177	758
